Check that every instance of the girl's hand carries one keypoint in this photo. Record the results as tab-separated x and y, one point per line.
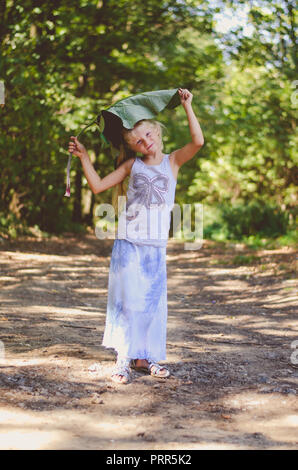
76	148
185	97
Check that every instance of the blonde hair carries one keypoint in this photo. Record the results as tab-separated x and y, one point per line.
126	153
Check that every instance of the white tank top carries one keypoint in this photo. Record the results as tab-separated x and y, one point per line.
146	218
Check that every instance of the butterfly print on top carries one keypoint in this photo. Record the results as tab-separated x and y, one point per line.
148	189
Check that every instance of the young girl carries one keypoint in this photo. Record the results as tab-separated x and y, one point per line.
137	289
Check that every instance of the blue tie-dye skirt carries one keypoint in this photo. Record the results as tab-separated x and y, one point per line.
137	311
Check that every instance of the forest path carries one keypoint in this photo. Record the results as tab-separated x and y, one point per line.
231	327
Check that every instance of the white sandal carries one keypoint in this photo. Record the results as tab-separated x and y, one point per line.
121	369
153	369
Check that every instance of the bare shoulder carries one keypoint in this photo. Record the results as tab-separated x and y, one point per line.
126	166
184	154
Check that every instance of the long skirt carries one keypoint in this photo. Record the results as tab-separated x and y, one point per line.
137	310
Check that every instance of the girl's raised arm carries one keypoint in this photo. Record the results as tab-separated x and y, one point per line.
97	184
184	154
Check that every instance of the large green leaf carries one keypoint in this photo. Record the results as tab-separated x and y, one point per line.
129	111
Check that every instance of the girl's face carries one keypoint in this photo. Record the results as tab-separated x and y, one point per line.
144	139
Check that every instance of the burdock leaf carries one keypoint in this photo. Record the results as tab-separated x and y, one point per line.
128	111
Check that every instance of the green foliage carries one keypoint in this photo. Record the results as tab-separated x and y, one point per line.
256	219
61	63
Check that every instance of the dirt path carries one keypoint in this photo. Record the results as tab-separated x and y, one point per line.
230	331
